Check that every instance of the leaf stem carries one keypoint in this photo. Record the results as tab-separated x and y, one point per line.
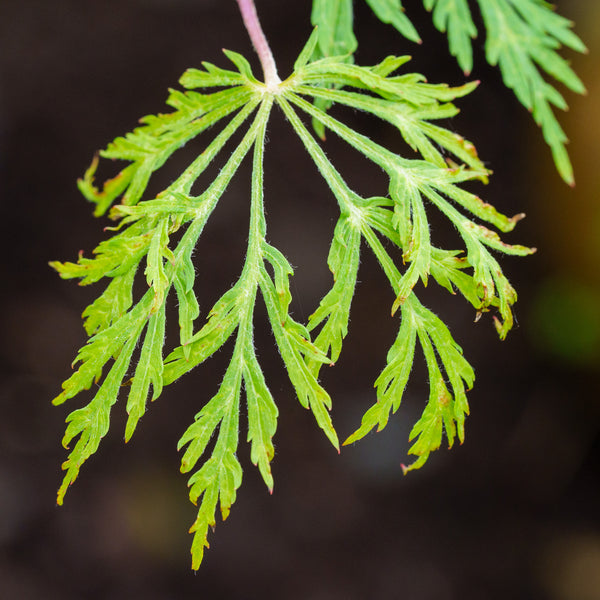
260	43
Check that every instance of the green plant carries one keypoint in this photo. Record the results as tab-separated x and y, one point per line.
522	38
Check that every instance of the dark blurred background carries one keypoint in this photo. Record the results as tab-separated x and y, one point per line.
510	514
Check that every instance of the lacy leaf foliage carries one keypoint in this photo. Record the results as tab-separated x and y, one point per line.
523	38
126	356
